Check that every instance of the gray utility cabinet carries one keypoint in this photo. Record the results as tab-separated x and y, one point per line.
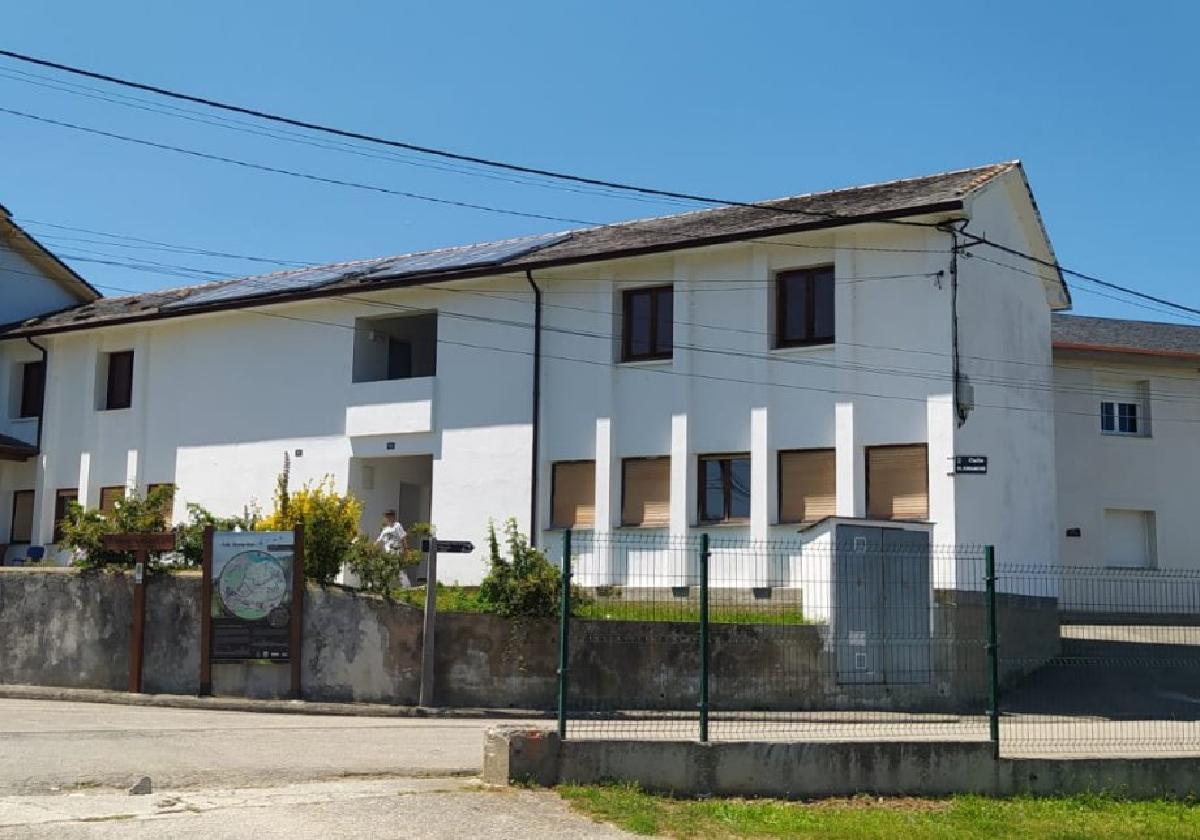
882	604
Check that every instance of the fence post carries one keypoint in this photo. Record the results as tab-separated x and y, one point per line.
564	638
703	638
993	659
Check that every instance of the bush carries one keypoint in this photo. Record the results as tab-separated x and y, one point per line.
83	530
524	584
330	524
190	541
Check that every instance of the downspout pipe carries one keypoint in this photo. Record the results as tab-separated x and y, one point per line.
42	401
536	410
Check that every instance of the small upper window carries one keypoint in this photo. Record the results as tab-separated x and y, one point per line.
118	391
1120	418
33	383
648	324
724	488
1125	407
804	307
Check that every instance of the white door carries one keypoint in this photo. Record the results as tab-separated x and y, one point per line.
1129	538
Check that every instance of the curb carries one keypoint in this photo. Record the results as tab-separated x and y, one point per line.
242	704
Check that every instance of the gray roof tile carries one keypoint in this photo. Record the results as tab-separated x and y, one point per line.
1119	335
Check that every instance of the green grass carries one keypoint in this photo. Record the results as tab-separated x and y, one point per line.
466	599
611	610
961	818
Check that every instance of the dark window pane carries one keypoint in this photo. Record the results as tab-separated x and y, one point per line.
62	502
120	380
739	488
713	499
823	290
638	324
794	303
1128	418
32	384
664	321
1108	422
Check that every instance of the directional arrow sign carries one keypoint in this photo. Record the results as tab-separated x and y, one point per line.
450	546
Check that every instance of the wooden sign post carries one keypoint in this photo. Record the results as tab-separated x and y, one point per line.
141	545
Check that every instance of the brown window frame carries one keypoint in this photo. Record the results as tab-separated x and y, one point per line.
33	389
727	490
60	509
809	339
121	488
12	520
625	462
655	352
554	524
779	458
117	398
867	469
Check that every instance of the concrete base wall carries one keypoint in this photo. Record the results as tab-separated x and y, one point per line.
822	769
63	627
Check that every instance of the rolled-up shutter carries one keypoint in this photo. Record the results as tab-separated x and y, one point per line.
647	492
807	485
574	503
898	482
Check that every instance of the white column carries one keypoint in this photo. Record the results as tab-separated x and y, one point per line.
762	477
682	471
851	470
939	424
132	474
608	501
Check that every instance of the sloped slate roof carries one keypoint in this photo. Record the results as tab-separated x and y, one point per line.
932	193
1078	332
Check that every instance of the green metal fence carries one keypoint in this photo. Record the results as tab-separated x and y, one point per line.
864	633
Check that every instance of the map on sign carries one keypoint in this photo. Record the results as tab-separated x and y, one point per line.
251	595
253	585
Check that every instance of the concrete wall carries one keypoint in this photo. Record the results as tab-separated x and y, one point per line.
67	628
815	770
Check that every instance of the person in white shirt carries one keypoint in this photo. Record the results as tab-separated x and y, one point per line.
393	539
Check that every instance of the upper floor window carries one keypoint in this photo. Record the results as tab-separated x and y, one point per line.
1125	409
33	383
648	323
395	348
724	488
117	371
804	306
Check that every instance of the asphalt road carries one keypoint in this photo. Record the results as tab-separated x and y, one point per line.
47	746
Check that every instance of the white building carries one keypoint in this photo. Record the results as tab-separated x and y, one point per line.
826	354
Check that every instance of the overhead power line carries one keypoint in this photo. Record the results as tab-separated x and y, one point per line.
290	172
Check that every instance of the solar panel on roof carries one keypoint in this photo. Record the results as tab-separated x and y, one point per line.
287	281
465	256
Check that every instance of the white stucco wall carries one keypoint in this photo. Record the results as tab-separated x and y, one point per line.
219	398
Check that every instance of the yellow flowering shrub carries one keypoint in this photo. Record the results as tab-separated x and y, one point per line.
330	521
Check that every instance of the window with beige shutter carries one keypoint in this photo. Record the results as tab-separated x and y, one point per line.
898	482
109	496
573	491
646	492
807	485
20	527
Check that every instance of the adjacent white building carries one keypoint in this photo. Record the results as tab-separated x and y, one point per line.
747	369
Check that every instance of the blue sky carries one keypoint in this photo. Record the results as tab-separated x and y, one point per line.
742	100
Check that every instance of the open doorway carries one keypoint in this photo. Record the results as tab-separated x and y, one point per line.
402	483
